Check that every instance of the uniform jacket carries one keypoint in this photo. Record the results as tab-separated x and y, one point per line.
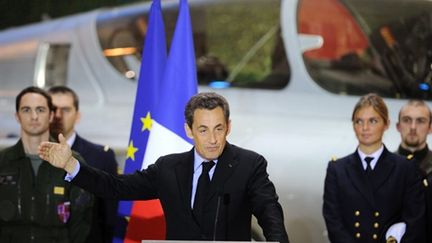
358	210
42	208
428	186
105	210
427	167
423	159
239	188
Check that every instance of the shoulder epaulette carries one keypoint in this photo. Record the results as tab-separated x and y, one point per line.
333	158
106	148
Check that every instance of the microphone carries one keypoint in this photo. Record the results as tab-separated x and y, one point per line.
216	217
226	201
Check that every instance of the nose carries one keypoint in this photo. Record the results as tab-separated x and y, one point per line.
58	113
365	125
34	114
413	124
212	138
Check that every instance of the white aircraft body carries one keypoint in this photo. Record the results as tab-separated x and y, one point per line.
292	72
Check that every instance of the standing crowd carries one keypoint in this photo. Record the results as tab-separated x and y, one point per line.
56	186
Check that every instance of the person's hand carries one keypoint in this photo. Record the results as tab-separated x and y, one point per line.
58	154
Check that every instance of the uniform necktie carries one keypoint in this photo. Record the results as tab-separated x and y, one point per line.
368	166
202	189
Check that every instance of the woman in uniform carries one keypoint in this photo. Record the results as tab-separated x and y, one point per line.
372	189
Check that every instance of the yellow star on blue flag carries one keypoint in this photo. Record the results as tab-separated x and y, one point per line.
147	122
131	150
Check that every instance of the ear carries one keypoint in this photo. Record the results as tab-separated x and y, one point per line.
399	128
228	127
17	117
51	118
387	125
78	117
188	130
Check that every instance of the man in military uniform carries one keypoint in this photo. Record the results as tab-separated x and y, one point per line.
36	203
414	125
66	115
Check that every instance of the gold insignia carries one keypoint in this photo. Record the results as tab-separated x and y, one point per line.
106	148
333	158
410	156
425	183
58	190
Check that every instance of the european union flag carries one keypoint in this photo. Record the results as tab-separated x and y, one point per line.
147	95
159	109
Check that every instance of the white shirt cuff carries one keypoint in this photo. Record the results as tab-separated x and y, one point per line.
69	177
397	231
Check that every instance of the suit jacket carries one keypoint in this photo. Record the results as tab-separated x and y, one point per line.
239	188
423	160
358	209
105	210
428	186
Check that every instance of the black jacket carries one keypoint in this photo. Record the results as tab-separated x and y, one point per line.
240	186
42	208
105	211
358	210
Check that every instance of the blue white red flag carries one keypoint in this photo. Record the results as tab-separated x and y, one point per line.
158	121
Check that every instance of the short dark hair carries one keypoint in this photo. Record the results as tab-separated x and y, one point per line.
208	101
416	102
376	102
37	90
65	90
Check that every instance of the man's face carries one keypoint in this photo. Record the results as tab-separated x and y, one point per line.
209	131
369	127
414	126
65	116
33	115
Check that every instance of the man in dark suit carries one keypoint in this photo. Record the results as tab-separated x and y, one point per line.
239	186
414	126
66	115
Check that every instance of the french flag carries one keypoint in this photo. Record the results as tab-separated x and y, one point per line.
164	87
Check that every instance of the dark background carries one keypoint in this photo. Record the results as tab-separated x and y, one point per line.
15	13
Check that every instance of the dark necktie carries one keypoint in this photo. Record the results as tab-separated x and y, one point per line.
368	167
202	189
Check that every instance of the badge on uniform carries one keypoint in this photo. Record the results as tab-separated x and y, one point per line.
63	211
59	190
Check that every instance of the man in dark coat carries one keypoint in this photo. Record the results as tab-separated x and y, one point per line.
237	184
36	203
66	115
414	125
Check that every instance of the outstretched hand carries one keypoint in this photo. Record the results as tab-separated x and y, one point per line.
58	154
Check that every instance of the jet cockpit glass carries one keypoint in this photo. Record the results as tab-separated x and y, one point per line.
237	42
379	46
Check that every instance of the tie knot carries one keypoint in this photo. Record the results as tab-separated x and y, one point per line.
207	165
368	160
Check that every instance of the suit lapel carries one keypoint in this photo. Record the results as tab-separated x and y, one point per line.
184	174
77	144
382	170
224	169
356	174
